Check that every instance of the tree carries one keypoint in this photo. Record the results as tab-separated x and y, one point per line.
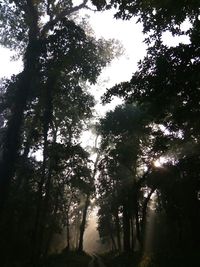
124	134
167	73
21	25
57	109
166	86
45	56
157	16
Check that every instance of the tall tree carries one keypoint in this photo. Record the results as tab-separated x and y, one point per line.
23	29
124	135
57	109
166	86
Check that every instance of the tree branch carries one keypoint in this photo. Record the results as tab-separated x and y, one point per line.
89	8
61	15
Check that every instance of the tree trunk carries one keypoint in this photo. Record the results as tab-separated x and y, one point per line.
67	232
12	136
144	214
42	204
51	231
114	247
132	234
137	222
26	80
83	223
126	229
117	225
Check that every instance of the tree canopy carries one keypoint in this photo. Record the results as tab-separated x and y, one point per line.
47	179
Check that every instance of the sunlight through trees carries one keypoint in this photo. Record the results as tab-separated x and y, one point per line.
134	192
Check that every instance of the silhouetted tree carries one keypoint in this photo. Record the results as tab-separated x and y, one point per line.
124	135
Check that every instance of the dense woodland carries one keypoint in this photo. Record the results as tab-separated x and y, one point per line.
49	181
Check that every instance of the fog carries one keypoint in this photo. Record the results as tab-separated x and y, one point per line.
92	242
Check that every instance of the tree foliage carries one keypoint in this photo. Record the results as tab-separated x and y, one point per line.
44	110
46	178
166	87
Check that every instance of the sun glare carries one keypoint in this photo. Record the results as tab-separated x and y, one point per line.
159	162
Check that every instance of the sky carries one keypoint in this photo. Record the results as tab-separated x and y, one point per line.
121	69
8	66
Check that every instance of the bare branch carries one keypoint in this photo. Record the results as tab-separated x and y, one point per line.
89	8
61	15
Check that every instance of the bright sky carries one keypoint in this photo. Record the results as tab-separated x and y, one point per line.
8	67
121	69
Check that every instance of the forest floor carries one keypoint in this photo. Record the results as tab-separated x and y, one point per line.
162	259
132	259
113	259
68	259
96	261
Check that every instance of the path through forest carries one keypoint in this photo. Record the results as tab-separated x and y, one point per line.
96	261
